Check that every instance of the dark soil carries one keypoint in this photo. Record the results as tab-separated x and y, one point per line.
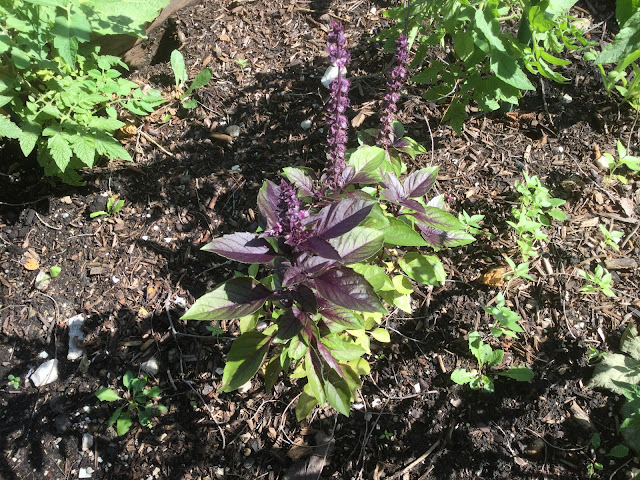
134	274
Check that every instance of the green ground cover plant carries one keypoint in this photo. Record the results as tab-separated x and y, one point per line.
598	281
485	61
139	401
487	358
624	160
181	77
61	96
335	249
111	208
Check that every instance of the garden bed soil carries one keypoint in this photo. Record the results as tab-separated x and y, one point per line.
133	275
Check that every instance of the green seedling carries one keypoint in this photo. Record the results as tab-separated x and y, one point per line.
215	330
53	273
521	270
487	358
181	77
611	237
629	161
599	281
242	63
113	207
14	381
536	210
472	223
387	435
507	321
138	401
595	355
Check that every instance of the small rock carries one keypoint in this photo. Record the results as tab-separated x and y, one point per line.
233	131
416	388
62	423
76	335
305	124
87	441
330	74
245	388
45	373
66	200
151	366
602	163
85	472
42	280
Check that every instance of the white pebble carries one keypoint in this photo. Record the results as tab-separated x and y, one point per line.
233	131
45	373
305	124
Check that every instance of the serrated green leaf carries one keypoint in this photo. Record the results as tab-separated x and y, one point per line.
8	128
60	150
506	68
110	148
84	148
30	135
102	123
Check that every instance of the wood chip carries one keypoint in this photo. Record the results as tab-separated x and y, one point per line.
494	277
620	263
31	264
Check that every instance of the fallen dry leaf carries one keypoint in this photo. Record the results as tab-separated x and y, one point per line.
31	264
494	277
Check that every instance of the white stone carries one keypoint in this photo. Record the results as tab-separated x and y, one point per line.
42	280
602	163
87	441
233	131
76	335
245	388
84	473
306	124
45	373
330	73
43	355
151	366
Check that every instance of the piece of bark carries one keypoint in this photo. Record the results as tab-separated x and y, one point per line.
620	263
311	468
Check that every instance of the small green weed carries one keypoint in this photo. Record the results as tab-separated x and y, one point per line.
537	208
487	358
599	281
387	435
139	402
629	161
242	63
14	381
507	321
611	237
215	330
181	77
113	207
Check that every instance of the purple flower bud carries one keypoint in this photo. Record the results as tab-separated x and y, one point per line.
291	216
337	106
394	84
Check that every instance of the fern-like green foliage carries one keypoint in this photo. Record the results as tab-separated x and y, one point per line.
483	62
59	92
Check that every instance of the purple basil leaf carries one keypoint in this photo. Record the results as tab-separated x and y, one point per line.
293	276
338	319
434	237
397	129
457	238
233	299
358	244
340	217
326	355
268	200
368	136
420	182
401	144
390	195
306	298
312	265
347	174
348	289
322	248
437	218
288	324
366	177
300	179
438	202
242	247
393	184
412	204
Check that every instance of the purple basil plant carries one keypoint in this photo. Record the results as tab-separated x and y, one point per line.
387	135
337	122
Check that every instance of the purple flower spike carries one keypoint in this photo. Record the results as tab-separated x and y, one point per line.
337	122
291	216
394	84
